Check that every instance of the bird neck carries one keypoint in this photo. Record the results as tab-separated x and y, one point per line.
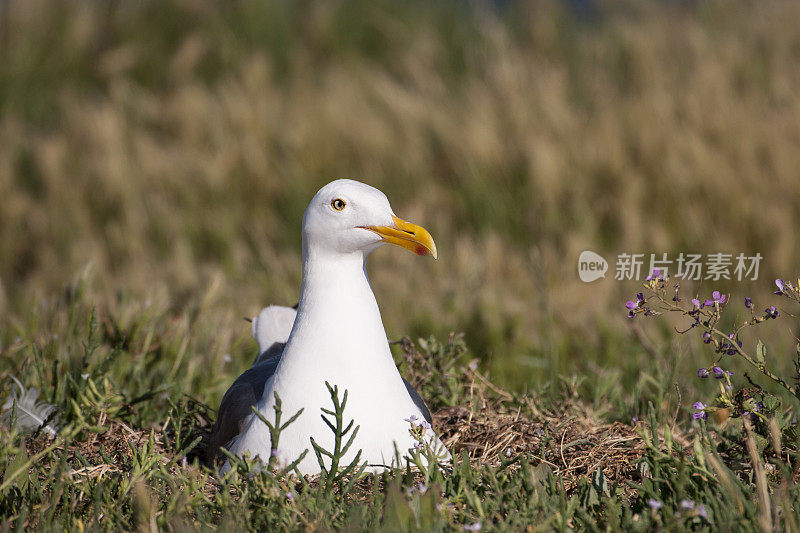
336	287
338	320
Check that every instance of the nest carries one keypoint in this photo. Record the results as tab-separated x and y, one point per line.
572	443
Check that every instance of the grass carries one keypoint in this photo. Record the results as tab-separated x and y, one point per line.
155	161
547	460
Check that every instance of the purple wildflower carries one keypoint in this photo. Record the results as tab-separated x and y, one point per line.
748	303
425	425
716	298
706	337
771	312
656	274
654	504
701	511
700	412
696	303
779	283
634	305
702	373
686	504
411	419
472	527
731	348
718	372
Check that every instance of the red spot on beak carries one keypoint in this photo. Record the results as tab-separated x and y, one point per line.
421	250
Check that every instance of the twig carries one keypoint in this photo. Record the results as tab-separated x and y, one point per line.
761	368
677	409
765	507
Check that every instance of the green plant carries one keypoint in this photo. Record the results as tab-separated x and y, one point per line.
332	475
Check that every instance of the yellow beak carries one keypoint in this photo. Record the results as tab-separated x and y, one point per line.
407	235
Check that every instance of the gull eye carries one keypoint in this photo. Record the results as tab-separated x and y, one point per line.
338	204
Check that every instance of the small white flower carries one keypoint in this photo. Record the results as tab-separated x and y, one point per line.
654	504
473	365
227	358
686	505
472	527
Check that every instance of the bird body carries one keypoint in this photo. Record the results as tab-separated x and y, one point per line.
337	337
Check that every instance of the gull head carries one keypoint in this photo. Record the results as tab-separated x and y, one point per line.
350	217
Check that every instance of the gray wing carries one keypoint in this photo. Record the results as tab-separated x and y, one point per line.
245	392
418	401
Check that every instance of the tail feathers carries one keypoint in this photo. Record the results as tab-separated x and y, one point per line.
273	324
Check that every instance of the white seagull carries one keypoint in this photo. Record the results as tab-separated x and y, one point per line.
335	336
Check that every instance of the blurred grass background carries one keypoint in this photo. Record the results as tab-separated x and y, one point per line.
164	152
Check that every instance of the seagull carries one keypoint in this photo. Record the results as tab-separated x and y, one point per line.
335	335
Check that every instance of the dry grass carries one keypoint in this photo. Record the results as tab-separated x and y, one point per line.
567	436
578	446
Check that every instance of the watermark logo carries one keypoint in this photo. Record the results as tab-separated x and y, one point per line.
684	266
591	266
